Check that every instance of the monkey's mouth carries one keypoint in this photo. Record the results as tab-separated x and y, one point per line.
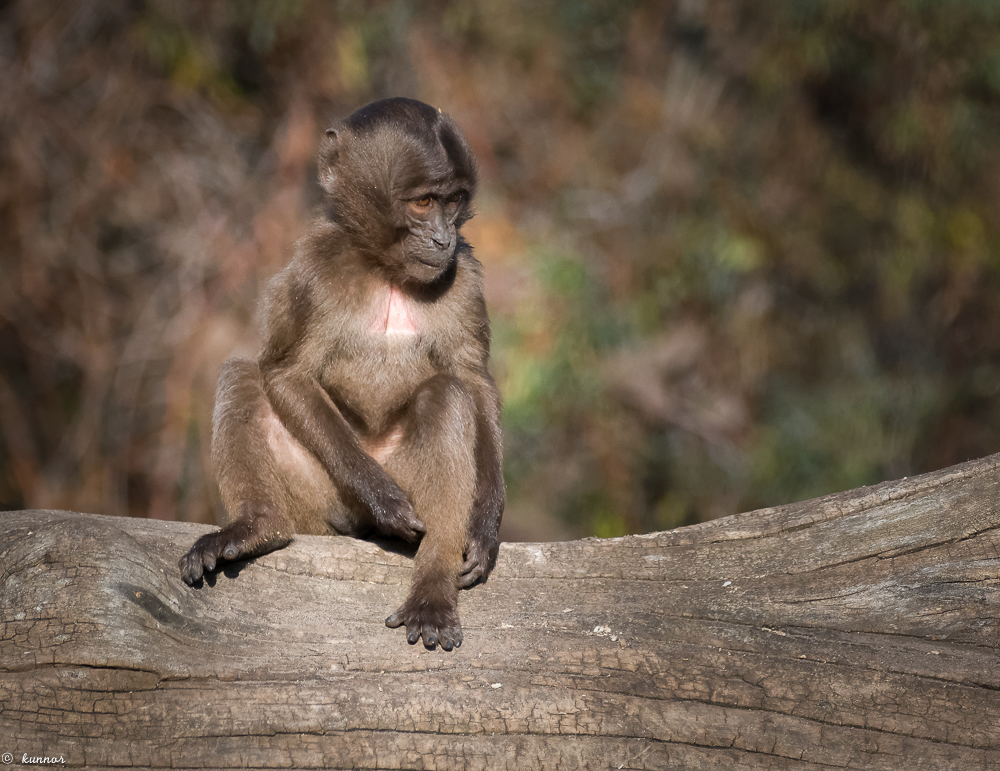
437	261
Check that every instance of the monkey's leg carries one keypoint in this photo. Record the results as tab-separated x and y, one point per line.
436	466
252	490
368	498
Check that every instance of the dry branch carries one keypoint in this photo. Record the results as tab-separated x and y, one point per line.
854	631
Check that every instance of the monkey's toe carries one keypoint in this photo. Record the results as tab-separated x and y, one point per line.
436	628
450	637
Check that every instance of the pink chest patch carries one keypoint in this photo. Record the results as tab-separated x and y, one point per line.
395	316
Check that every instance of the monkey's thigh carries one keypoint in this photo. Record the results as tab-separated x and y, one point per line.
435	464
259	463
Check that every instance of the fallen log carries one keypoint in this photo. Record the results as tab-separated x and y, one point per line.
859	630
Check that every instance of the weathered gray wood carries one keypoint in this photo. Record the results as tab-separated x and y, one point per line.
854	631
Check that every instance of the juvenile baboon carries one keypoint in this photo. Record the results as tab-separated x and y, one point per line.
370	407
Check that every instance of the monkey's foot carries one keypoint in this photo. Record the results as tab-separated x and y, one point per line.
435	621
237	540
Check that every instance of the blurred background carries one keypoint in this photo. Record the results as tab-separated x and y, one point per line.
737	253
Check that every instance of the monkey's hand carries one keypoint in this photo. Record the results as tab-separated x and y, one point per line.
480	557
433	618
391	511
237	540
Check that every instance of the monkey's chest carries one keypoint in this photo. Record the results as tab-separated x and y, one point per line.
382	356
375	380
393	316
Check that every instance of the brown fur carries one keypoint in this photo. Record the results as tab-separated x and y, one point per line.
370	407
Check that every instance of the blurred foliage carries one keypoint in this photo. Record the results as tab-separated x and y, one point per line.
737	254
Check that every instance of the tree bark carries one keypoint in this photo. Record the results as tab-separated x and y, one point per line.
858	630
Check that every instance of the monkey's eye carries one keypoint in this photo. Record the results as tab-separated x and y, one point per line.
421	207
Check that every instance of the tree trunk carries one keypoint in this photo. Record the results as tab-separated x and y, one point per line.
854	631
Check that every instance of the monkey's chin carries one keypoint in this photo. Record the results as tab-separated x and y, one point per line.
427	270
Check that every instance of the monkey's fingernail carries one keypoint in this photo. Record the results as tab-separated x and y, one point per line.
209	562
412	637
393	621
231	552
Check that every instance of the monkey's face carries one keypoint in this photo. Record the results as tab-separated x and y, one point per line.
431	234
400	178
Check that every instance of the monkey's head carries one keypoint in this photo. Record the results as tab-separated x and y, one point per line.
399	178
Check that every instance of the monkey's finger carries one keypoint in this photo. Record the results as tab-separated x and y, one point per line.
472	571
407	534
398	521
415	524
471	564
470	580
430	634
415	534
411	529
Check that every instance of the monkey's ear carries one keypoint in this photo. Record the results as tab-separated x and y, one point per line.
329	152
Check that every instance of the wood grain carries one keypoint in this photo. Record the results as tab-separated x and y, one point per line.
858	630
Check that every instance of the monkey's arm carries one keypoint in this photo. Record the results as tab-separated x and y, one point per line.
487	509
313	419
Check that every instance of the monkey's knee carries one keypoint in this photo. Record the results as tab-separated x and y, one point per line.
240	402
436	464
242	458
240	389
237	368
444	405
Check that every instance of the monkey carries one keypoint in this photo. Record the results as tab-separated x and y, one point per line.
369	409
